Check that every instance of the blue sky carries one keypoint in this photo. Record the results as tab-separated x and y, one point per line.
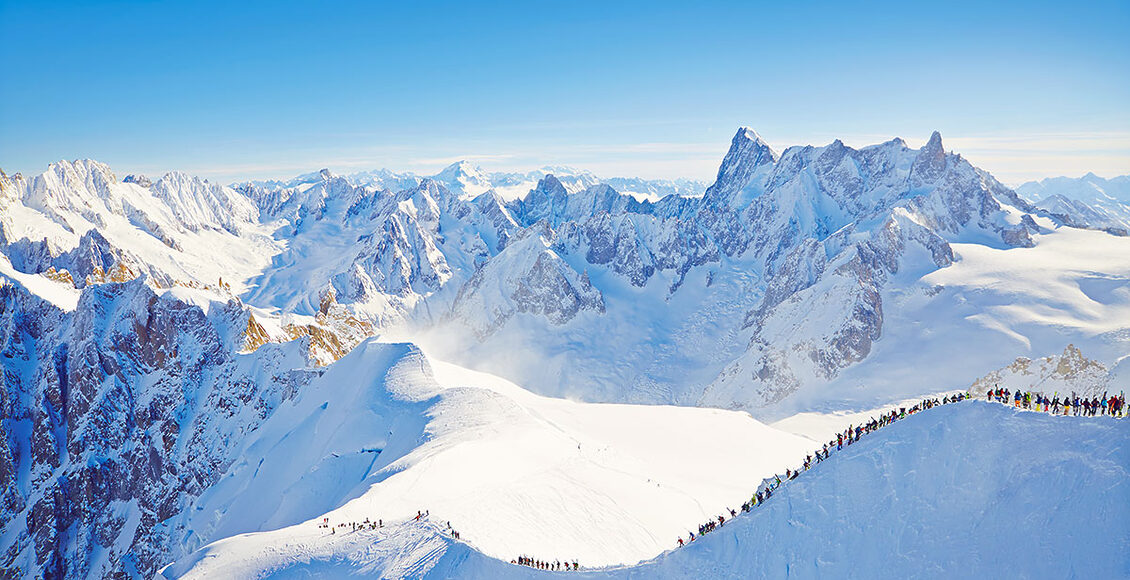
234	90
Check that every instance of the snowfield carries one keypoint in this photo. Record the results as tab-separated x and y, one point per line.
387	432
965	490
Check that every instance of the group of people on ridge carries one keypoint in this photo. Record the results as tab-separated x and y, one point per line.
1113	405
379	523
545	565
353	526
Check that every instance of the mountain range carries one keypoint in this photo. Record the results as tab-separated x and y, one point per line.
175	350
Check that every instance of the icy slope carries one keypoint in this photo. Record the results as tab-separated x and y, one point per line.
378	437
967	490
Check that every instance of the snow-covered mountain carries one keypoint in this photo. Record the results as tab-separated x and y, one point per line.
174	351
1089	201
1089	188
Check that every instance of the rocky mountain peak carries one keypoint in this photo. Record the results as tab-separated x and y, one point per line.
935	143
138	179
71	185
930	163
748	153
464	179
550	184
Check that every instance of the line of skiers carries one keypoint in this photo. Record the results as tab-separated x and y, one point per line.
850	435
451	530
1073	404
546	565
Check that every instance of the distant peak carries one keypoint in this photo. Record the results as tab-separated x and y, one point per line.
461	165
550	181
458	169
562	169
935	142
326	174
82	166
930	162
748	134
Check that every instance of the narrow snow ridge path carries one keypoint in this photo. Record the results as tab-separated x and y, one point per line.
969	490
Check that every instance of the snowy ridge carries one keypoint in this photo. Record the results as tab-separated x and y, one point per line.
786	231
815	525
513	456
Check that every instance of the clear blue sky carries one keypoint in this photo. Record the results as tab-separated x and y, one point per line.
233	90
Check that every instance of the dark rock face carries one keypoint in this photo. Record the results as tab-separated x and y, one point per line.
113	416
546	291
930	163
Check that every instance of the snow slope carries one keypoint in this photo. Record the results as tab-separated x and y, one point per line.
968	490
381	435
